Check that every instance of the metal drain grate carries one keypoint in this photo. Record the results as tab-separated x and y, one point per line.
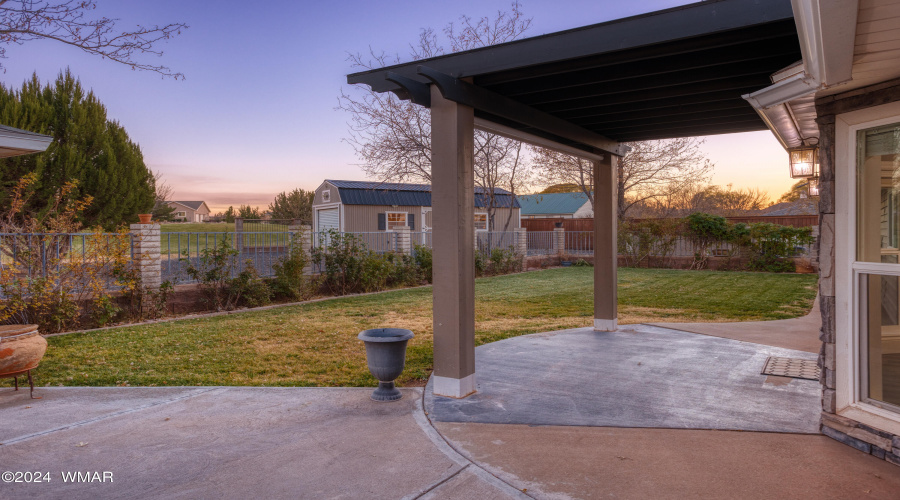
791	367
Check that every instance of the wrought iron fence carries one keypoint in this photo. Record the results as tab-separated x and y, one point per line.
37	254
260	249
540	242
488	241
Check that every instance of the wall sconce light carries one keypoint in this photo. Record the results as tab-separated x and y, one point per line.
804	162
813	186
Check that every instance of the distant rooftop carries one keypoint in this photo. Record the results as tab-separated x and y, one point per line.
193	205
552	203
803	206
400	194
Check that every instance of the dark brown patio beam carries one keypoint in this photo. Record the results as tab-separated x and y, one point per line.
465	93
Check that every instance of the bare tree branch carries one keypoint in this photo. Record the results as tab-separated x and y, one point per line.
392	137
67	22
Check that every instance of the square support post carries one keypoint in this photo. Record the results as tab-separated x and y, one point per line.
559	240
605	246
404	240
453	202
522	246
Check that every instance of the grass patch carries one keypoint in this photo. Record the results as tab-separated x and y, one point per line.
316	345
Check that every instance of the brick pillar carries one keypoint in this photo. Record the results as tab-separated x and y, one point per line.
559	240
301	238
238	237
145	245
522	245
404	240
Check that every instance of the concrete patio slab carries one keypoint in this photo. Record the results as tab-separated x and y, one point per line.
596	462
639	376
234	442
801	333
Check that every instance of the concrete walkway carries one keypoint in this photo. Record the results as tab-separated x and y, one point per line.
801	333
231	442
224	443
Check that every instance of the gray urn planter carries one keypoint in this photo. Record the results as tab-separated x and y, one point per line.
386	355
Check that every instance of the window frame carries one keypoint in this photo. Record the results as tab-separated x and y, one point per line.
387	220
487	222
848	354
326	196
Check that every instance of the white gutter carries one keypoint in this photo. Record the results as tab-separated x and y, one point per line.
826	30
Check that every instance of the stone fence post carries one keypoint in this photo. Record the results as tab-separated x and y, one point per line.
302	234
238	237
522	245
145	247
404	240
559	240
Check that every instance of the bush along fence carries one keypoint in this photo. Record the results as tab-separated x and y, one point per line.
702	241
61	280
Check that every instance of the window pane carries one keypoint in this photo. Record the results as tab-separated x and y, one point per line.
880	337
395	219
481	222
878	194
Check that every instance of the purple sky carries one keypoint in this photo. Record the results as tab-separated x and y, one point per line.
256	115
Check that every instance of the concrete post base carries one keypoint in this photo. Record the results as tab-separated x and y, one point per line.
605	325
454	387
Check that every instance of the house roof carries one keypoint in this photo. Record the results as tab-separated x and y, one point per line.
673	73
803	206
391	193
552	203
15	142
193	205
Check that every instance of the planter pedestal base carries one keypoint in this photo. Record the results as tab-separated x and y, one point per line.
386	392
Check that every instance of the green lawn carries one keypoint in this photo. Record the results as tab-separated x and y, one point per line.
315	344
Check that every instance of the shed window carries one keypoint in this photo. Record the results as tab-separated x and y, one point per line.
395	220
326	196
481	223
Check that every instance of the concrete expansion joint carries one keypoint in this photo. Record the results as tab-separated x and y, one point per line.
99	418
446	447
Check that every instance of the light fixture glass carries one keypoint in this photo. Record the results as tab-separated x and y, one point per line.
804	162
813	186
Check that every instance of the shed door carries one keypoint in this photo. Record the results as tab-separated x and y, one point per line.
329	219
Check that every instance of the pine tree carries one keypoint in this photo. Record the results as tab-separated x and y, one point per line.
296	204
87	147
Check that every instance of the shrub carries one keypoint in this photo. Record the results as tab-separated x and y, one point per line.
772	247
248	288
706	230
498	261
213	273
290	282
423	259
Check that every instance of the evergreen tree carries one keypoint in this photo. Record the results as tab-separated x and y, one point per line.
229	215
296	204
87	148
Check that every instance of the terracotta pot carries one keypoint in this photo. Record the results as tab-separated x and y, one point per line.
21	349
145	218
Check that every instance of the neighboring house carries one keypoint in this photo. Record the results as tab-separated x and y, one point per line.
189	211
556	205
803	206
364	207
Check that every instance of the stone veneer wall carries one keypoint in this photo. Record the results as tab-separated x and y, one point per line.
850	432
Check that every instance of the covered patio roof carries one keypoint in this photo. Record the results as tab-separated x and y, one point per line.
672	73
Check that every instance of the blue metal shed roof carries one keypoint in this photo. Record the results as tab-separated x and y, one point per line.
389	193
552	203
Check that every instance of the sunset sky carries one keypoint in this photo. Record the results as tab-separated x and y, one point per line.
256	114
